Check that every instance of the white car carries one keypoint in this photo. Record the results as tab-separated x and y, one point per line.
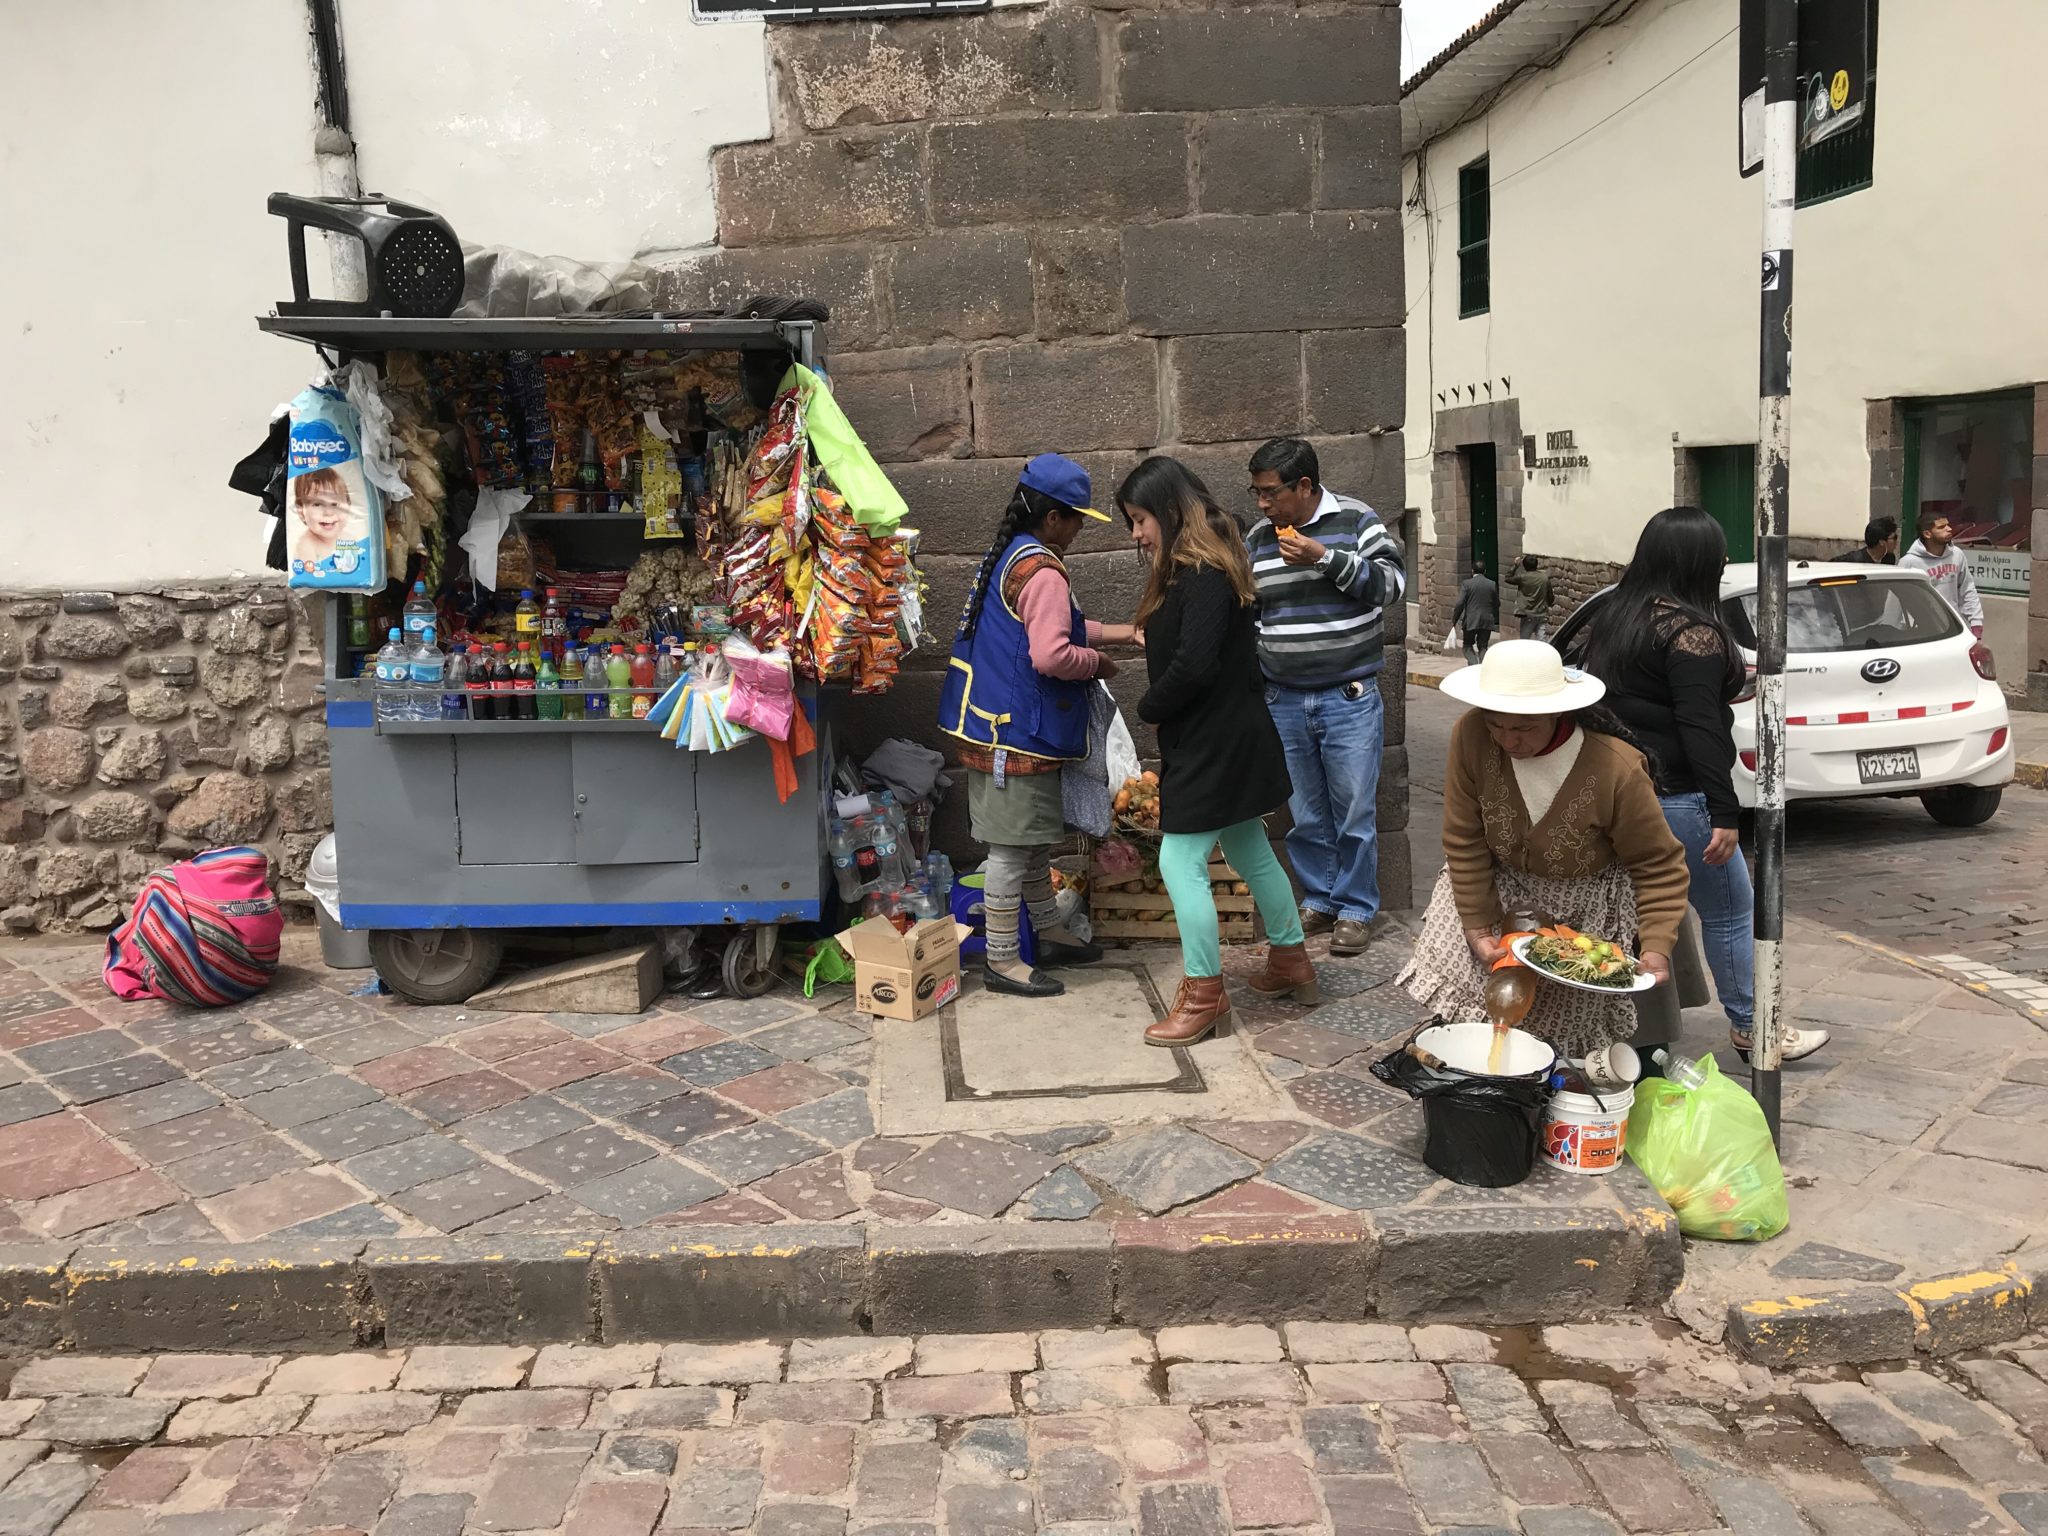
1886	693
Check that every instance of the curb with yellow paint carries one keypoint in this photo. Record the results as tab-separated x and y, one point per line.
1860	1325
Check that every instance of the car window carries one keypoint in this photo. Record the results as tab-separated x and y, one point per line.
1857	615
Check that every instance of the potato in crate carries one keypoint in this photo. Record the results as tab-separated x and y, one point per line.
1136	908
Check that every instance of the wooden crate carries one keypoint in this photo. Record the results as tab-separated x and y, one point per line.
1120	914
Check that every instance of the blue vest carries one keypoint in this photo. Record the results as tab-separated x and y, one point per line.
995	698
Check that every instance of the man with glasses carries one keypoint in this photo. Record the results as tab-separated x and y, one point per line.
1326	567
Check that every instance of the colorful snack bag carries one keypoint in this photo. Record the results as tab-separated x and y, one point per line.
337	542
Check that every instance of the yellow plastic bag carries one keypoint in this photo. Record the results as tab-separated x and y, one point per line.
1709	1152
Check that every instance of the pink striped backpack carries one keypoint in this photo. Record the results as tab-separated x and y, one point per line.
204	932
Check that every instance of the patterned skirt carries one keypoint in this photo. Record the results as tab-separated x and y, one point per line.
1445	977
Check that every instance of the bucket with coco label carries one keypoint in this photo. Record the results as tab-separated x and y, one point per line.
1582	1134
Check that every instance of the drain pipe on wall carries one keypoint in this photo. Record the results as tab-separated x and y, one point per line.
334	150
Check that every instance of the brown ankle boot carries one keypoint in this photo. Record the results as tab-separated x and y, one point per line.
1289	973
1201	1006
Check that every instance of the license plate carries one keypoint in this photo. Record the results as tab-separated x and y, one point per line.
1900	767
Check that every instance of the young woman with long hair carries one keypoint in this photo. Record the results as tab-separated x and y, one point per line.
1672	669
1221	764
1017	695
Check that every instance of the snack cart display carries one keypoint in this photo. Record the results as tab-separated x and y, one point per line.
613	550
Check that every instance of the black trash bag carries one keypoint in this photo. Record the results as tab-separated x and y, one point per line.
1476	1130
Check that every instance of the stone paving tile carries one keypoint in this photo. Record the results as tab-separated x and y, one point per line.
26	1101
258	1074
405	1164
709	1066
1339	1098
314	1098
1062	1195
190	1135
781	1087
967	1173
752	1152
555	1065
640	1194
350	1221
685	1118
105	1080
470	1093
813	1191
838	1121
450	1204
581	1156
363	1129
1164	1167
525	1123
620	1092
256	1210
805	1039
1350	1172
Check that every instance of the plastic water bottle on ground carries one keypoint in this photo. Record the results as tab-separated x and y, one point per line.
394	677
844	868
1682	1070
426	667
889	853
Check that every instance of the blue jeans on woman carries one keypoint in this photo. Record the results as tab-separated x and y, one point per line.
1721	895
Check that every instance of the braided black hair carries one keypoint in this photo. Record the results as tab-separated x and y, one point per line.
1026	512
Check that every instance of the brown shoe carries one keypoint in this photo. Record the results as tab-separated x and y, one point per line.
1349	938
1201	1006
1314	922
1289	973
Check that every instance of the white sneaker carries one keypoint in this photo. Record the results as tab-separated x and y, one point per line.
1799	1043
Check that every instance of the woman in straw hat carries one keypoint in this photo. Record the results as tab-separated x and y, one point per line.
1547	809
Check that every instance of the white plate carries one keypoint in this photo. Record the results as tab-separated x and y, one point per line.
1642	983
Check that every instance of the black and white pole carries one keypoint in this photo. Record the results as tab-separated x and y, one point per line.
1773	521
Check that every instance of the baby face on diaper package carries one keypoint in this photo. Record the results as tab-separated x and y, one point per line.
336	540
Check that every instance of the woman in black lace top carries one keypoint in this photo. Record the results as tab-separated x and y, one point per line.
1672	669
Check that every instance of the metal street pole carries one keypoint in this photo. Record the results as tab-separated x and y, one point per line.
1773	521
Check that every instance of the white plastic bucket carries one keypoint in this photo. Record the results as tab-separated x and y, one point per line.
1465	1047
1582	1137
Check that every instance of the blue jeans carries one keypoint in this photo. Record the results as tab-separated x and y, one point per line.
1722	897
1333	758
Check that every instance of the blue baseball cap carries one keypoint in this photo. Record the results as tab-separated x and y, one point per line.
1057	476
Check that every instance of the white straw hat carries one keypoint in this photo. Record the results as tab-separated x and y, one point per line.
1524	677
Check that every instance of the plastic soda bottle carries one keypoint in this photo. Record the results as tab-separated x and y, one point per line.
1682	1070
548	686
394	678
503	684
482	706
643	681
524	703
419	612
554	625
526	617
668	666
455	685
596	698
572	682
425	666
618	676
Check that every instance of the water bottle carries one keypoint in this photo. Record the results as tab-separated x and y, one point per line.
867	868
1682	1070
938	869
426	666
454	684
596	699
888	853
844	869
394	677
419	613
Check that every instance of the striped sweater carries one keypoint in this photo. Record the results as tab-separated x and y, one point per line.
1320	627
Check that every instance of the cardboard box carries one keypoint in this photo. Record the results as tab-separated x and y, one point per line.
904	975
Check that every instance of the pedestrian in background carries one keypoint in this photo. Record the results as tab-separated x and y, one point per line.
1477	613
1946	568
1672	670
1222	768
1880	544
1533	599
1326	569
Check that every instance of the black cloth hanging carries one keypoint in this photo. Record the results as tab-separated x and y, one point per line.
262	475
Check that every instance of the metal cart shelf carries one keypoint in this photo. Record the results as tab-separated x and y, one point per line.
450	832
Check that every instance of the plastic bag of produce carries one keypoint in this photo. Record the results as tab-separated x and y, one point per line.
1709	1153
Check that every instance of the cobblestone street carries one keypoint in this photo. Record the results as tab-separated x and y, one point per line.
1366	1430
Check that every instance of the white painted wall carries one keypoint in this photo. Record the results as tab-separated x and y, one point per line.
1624	262
137	145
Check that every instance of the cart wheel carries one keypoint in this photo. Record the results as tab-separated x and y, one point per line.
433	965
745	973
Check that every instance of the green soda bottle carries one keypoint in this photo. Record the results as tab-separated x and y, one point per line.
549	683
618	673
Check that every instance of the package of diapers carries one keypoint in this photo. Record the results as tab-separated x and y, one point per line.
334	536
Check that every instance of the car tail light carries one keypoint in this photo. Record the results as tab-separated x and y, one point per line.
1980	658
1748	760
1997	742
1748	685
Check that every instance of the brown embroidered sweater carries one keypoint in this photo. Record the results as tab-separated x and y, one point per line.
1606	813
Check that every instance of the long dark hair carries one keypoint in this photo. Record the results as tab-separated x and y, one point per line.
1194	530
1672	585
1026	513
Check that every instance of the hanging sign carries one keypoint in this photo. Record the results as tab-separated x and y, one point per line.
825	10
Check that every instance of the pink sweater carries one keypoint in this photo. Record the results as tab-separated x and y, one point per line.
1047	608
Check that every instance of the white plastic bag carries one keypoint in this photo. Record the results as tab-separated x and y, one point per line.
1451	639
1122	752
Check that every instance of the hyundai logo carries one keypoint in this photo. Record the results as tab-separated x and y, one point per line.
1882	670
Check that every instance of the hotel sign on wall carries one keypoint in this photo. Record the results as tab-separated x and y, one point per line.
1559	455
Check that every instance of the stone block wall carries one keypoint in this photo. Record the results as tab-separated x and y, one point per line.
139	728
1102	227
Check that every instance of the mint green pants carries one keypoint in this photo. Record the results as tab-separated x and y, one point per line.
1184	866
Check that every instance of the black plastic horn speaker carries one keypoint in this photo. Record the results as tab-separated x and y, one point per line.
412	257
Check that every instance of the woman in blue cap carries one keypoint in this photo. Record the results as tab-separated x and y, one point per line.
1017	695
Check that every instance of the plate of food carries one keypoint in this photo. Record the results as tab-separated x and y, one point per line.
1580	960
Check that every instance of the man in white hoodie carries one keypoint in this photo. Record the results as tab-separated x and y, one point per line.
1944	565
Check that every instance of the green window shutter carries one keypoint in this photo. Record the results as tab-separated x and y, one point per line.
1475	225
